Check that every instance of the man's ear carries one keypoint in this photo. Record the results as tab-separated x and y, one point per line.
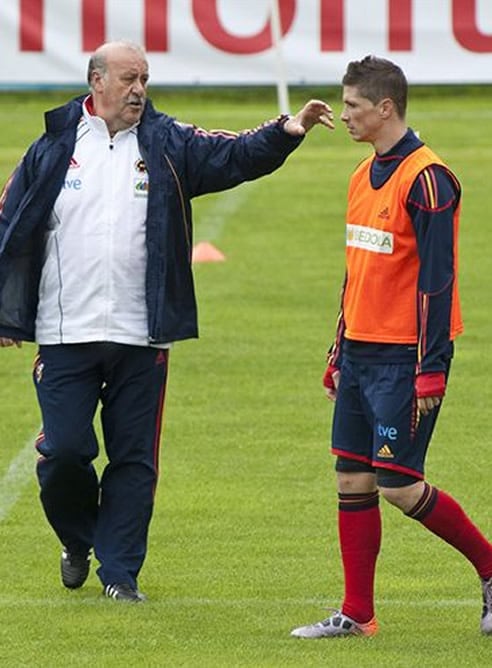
386	107
96	81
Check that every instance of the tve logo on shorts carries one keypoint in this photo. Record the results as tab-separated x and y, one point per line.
368	238
387	432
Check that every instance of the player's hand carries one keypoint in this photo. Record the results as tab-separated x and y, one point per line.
429	389
313	113
331	380
427	404
5	342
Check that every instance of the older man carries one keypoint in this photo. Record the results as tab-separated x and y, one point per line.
95	266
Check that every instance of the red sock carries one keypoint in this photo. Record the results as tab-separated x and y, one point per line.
359	526
442	515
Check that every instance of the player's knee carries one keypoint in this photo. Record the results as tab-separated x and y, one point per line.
401	490
354	477
394	495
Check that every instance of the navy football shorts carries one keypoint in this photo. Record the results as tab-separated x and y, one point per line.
376	421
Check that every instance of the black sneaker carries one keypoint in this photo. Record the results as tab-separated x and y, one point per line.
74	569
123	592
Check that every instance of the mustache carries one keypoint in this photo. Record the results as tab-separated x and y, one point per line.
135	99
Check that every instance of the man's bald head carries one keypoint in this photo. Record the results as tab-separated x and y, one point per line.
99	60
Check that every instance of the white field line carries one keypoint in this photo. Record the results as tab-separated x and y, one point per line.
209	226
63	598
17	476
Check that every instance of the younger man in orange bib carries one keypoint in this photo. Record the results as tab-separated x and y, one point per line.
389	365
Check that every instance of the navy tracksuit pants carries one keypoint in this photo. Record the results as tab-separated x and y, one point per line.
110	513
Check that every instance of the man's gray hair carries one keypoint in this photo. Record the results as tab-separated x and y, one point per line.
98	62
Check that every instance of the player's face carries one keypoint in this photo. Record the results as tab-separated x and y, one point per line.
362	117
121	92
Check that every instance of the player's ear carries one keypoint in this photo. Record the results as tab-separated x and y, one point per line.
386	107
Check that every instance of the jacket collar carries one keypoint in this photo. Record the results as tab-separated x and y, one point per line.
67	116
60	119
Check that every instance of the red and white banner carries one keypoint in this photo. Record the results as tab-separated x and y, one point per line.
225	42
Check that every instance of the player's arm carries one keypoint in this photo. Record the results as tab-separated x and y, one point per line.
432	204
331	376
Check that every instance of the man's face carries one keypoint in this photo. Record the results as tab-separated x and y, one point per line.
362	117
120	93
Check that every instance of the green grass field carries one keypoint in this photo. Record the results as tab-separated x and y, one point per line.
243	543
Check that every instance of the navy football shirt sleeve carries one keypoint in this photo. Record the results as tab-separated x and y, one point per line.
431	204
335	352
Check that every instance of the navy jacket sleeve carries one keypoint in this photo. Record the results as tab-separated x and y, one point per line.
432	203
15	194
13	190
219	160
